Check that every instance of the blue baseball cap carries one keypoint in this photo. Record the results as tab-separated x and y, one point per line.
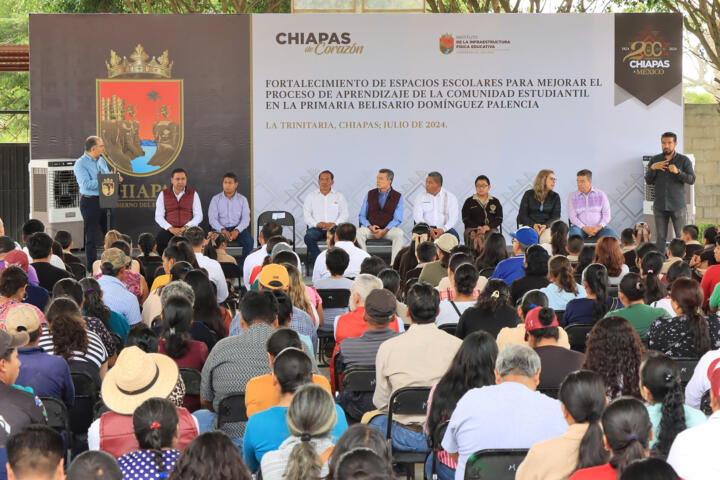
526	236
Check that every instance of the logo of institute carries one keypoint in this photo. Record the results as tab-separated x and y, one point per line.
447	44
108	187
140	113
648	53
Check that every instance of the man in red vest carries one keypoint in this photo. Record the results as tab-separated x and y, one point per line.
382	213
176	209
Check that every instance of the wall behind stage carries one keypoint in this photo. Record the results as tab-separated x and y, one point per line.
500	95
209	53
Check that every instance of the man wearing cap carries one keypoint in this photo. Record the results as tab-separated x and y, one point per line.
513	268
437	207
382	213
380	307
417	358
136	377
48	375
276	277
509	414
345	239
196	237
116	295
556	362
18	408
435	271
693	454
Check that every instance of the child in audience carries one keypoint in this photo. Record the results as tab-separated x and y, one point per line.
649	469
632	294
660	387
592	308
574	247
360	437
563	287
517	334
582	398
155	423
679	269
675	252
627	432
614	350
608	253
491	313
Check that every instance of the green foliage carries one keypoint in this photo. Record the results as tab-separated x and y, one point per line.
698	97
702	227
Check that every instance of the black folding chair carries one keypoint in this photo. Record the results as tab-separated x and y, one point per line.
58	418
232	409
559	314
82	412
686	367
407	401
705	403
494	464
436	437
192	379
78	270
577	335
449	328
281	217
233	276
358	379
332	299
613	290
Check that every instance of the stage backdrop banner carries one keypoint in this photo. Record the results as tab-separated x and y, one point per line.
164	92
500	95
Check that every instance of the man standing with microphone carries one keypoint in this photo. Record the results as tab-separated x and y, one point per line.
669	172
86	171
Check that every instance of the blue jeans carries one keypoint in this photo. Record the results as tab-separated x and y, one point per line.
443	471
312	236
244	240
606	231
403	439
206	423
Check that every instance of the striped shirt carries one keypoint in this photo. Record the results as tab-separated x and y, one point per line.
96	353
361	351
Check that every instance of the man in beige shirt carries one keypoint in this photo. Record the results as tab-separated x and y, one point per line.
416	358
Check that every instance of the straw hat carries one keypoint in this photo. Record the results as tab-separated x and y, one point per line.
136	377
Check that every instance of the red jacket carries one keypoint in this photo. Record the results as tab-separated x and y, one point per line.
117	436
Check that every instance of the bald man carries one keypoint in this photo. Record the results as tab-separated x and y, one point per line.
86	171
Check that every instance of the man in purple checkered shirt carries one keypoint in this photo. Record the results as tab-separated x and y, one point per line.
589	209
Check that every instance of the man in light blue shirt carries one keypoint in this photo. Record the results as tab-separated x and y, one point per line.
116	295
382	213
229	213
86	170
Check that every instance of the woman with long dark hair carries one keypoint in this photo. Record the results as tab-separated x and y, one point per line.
493	252
582	397
13	288
464	279
206	307
93	306
153	305
490	313
358	437
650	266
596	304
609	253
178	250
562	287
661	388
649	469
690	334
155	423
472	367
614	350
627	431
585	258
69	338
632	295
177	343
211	455
677	270
540	206
536	269
559	237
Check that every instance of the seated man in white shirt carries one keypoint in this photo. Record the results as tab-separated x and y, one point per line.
196	237
176	209
509	414
436	206
324	208
256	257
693	453
345	239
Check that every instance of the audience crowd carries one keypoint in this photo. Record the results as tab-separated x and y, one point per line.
590	356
